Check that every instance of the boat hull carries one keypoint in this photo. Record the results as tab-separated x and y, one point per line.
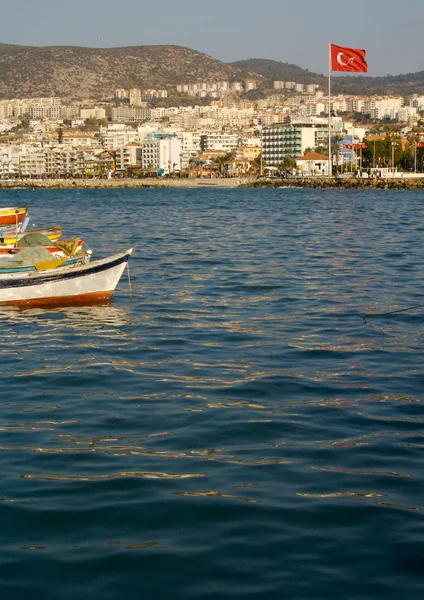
10	240
11	216
93	282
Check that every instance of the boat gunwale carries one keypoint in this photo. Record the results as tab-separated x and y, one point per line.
34	278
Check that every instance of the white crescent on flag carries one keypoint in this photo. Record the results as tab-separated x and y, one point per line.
340	61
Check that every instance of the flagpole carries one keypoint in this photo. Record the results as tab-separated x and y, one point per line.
329	110
415	161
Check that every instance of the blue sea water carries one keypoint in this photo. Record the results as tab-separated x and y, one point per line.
236	429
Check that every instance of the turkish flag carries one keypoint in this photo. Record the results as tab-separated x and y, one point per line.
419	144
348	59
348	146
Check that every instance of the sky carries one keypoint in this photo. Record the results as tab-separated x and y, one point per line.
295	31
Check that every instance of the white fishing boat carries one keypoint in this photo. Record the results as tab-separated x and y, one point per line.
79	283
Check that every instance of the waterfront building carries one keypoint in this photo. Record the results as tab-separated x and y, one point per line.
162	154
32	164
292	139
312	164
128	157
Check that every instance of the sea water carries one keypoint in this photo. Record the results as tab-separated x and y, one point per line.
233	427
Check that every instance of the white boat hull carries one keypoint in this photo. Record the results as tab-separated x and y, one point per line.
93	282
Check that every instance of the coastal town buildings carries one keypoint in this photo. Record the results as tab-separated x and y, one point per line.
150	130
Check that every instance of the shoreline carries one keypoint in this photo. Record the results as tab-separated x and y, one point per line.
398	183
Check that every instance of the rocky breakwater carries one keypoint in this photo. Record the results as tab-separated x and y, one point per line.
401	183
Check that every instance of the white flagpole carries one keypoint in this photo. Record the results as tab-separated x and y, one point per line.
329	111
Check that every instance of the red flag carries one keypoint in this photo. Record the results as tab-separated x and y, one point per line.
361	146
348	146
348	59
419	144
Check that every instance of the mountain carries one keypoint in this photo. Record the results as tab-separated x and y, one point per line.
75	72
409	83
278	71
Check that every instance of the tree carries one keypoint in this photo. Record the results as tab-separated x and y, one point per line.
287	165
380	152
322	150
257	165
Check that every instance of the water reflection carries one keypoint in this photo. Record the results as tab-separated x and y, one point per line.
78	316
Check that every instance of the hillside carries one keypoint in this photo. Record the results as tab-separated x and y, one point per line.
74	72
409	83
278	71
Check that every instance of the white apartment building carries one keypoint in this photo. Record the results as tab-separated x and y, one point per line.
128	156
291	140
88	141
32	164
155	94
122	94
406	114
311	88
95	112
128	114
185	120
190	141
6	110
356	104
135	97
417	102
45	111
219	141
162	155
112	139
313	109
250	84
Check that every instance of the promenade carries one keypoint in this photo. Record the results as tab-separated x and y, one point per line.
225	182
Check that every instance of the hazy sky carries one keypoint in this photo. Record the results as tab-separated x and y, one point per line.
295	31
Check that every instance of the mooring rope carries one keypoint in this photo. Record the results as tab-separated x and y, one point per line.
393	312
129	280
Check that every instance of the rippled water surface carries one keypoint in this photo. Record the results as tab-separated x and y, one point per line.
236	429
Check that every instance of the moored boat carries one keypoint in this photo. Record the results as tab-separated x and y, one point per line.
12	215
39	258
10	240
80	283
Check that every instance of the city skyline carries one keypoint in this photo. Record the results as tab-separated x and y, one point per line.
277	29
